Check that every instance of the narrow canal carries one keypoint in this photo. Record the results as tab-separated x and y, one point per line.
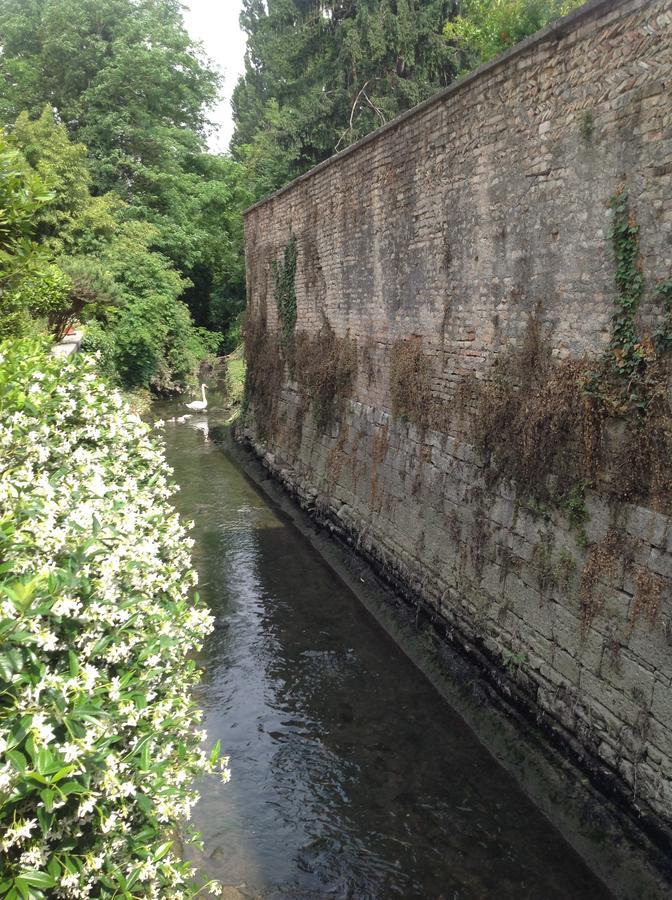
351	776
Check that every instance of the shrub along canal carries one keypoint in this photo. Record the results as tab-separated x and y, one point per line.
351	776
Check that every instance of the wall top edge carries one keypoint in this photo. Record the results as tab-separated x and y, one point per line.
555	31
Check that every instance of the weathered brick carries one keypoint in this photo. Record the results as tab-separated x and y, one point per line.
452	226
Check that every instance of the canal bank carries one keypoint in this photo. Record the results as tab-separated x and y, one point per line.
352	775
632	864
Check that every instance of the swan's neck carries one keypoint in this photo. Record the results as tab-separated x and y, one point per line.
203	392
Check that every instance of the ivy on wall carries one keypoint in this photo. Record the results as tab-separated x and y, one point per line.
285	297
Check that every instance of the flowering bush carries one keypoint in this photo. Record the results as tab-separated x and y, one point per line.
98	748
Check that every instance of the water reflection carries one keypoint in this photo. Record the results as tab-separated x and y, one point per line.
351	778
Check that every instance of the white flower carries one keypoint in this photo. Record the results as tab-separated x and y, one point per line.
86	806
114	689
87	492
47	640
66	606
34	858
43	730
107	824
147	870
6	776
70	751
89	675
18	833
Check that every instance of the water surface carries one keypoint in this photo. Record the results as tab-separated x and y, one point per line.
351	776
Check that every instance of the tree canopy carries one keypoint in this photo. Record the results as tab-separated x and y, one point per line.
320	74
132	91
482	29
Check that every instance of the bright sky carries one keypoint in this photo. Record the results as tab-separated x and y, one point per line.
215	24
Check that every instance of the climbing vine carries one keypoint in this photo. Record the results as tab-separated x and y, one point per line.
584	422
627	350
285	297
326	367
663	336
263	373
411	381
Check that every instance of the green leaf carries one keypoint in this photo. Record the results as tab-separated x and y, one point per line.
35	776
44	760
18	760
37	879
45	819
54	868
74	663
48	796
22	887
66	770
72	787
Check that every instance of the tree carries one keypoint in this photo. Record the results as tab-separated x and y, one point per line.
122	75
320	74
484	28
124	79
22	194
73	221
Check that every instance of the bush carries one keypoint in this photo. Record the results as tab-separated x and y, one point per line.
94	291
156	344
47	294
97	622
98	341
21	196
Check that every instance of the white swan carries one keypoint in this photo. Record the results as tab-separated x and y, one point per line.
198	404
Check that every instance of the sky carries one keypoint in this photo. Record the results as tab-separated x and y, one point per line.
215	24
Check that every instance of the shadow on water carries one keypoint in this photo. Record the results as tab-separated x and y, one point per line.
351	776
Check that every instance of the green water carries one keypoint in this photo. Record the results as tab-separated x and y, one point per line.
351	776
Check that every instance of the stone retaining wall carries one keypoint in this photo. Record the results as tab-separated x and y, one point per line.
453	230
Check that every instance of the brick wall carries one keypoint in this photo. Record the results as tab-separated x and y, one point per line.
452	225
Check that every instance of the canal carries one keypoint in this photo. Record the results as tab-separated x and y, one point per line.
351	776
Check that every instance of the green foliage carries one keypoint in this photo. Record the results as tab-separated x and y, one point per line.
22	195
94	289
320	75
73	221
98	627
132	89
83	57
151	342
47	294
556	429
151	338
574	506
624	234
196	214
98	342
285	296
663	336
483	29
